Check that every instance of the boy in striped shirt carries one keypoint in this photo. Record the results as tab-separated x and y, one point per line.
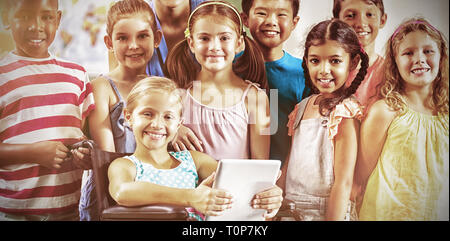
43	105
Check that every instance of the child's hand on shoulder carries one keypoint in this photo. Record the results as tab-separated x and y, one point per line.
186	140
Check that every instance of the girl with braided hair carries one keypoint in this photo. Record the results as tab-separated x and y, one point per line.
324	127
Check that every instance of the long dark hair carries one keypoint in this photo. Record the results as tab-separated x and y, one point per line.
344	34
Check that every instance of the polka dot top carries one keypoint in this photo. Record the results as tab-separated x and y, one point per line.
183	176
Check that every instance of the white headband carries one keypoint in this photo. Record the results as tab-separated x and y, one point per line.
187	33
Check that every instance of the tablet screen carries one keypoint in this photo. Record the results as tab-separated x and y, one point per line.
244	178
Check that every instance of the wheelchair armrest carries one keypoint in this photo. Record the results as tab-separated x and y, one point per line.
149	212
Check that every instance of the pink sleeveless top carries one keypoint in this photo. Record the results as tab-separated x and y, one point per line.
223	131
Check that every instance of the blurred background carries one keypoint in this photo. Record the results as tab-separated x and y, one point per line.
80	36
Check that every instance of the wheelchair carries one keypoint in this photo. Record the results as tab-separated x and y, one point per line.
109	210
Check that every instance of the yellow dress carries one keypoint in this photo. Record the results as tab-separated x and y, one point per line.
410	181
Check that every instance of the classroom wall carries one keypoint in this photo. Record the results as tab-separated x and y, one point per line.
314	11
311	12
436	11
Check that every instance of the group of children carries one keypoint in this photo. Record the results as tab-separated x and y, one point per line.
360	136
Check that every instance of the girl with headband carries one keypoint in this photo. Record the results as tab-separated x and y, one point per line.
404	139
223	105
226	108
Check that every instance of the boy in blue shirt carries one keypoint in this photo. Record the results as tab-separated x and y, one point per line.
271	23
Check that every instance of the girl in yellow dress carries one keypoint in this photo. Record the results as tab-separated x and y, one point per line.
404	139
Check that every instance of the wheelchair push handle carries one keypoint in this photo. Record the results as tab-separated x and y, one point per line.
84	143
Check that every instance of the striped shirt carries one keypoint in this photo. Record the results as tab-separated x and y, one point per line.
41	100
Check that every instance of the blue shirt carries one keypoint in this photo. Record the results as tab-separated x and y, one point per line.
285	75
154	66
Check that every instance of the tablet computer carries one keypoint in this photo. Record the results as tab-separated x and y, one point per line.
244	178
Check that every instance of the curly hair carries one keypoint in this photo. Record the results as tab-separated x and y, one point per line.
394	85
344	34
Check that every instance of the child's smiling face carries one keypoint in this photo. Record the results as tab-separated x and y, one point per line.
214	43
155	119
417	58
133	41
328	66
271	22
364	17
33	25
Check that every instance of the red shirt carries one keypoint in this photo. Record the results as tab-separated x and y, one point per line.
367	92
41	100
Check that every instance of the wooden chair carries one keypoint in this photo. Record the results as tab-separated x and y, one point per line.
109	210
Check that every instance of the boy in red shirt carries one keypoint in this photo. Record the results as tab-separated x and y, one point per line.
366	18
44	102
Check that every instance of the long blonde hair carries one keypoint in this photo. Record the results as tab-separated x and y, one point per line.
393	86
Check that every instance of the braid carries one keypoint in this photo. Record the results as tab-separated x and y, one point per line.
344	34
328	104
360	76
